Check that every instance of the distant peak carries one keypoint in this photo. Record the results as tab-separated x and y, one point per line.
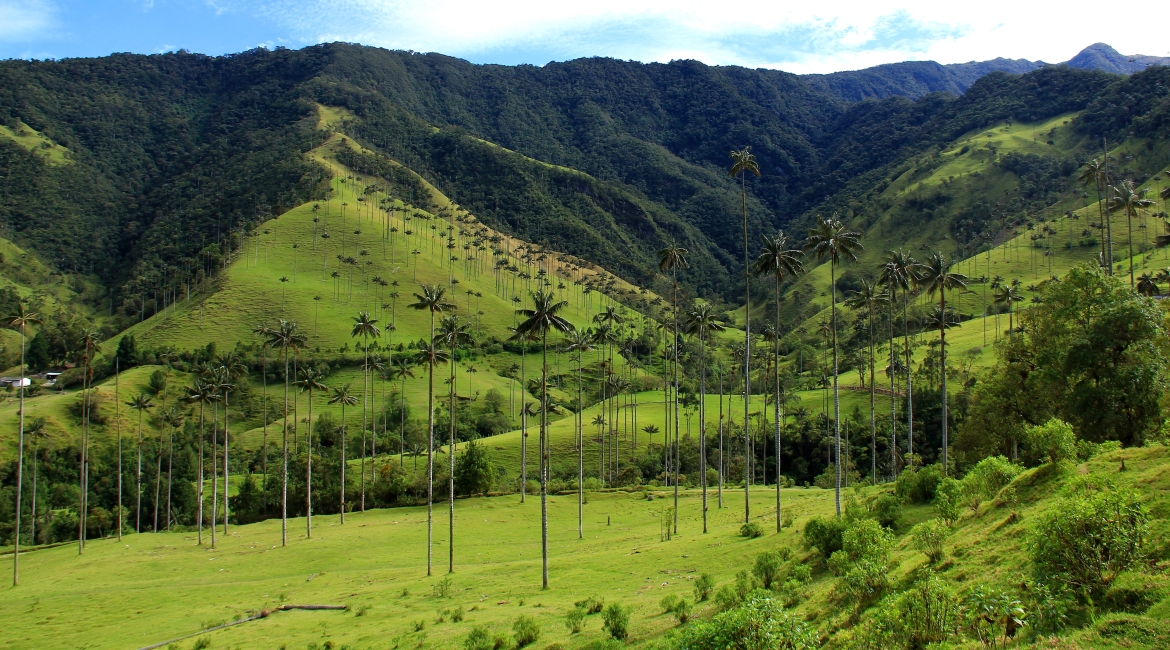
1102	56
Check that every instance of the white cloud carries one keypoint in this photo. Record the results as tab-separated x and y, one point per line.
25	20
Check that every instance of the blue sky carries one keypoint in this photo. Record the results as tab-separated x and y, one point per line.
799	37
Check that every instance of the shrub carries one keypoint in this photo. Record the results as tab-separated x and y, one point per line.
767	568
993	616
682	610
617	621
948	500
865	539
801	573
1134	591
478	639
668	603
930	613
761	623
526	630
457	614
1053	440
918	486
929	537
888	510
1048	606
730	596
704	584
1091	536
824	534
865	582
575	620
751	530
838	563
987	478
591	605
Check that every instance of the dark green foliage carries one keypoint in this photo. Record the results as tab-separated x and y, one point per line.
575	620
473	470
704	584
1090	537
825	534
761	623
617	621
36	356
918	486
887	509
127	353
591	605
751	530
768	567
526	630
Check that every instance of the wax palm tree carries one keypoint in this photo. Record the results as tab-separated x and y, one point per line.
401	368
310	381
701	323
782	263
1132	202
831	239
263	331
1009	294
452	332
1146	285
899	274
580	342
35	431
671	259
1096	173
20	320
867	299
202	393
935	276
286	338
141	403
233	368
539	321
744	163
217	376
90	342
343	397
174	419
432	300
367	328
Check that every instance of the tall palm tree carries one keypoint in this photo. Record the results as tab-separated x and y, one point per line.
217	377
432	300
140	403
899	274
671	259
580	342
90	348
401	368
1146	285
1132	202
343	397
744	163
539	321
1009	294
867	299
365	327
701	323
935	276
1096	173
233	368
310	381
453	333
831	239
174	418
263	331
781	262
35	431
20	320
286	338
202	393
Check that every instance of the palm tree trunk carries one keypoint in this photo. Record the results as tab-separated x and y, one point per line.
580	447
431	449
309	471
942	337
747	353
703	423
20	472
138	482
776	405
214	471
170	471
118	417
676	421
893	395
872	400
343	443
836	394
451	472
544	461
909	384
523	425
284	454
199	524
226	472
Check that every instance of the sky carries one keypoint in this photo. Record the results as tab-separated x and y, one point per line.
799	37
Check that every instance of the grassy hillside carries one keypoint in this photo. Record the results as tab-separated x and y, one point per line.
157	587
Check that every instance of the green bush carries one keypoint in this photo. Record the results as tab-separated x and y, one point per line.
918	486
948	500
617	621
704	584
591	605
801	573
824	534
1054	440
887	509
682	610
930	613
929	537
478	639
993	616
761	623
526	630
1091	535
751	530
575	620
865	539
668	603
987	478
1134	591
767	568
865	582
732	595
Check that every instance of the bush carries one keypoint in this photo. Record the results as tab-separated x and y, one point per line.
948	500
478	639
888	510
732	595
751	530
824	534
704	584
761	623
591	605
865	539
801	573
767	568
1090	537
838	563
929	537
918	486
993	616
865	583
1053	440
526	630
1134	591
929	613
668	603
617	621
575	620
987	478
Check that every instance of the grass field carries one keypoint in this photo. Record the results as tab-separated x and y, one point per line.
153	587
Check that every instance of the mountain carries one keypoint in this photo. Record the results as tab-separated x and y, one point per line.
1100	56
